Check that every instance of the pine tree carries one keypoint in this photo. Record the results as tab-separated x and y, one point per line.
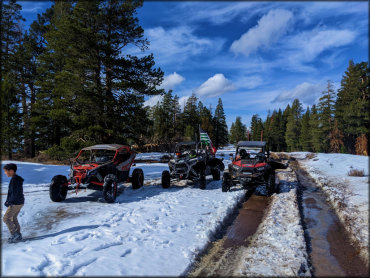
256	128
315	130
191	118
54	100
220	131
283	127
11	37
205	119
190	133
351	107
305	133
326	115
176	119
336	139
237	131
276	134
293	126
94	93
164	121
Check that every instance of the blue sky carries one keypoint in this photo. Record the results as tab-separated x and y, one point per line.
255	56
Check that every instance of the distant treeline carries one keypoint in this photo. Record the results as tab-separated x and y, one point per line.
339	122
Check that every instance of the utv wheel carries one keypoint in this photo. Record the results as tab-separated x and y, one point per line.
271	185
202	180
58	188
216	174
137	178
166	179
226	182
110	188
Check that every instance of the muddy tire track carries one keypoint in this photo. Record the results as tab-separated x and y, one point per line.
329	246
223	256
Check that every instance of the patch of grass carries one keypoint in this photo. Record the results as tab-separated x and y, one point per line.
356	173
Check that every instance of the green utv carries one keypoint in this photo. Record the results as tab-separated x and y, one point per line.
193	161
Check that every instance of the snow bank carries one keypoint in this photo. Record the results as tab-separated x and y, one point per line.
348	195
151	156
278	247
149	231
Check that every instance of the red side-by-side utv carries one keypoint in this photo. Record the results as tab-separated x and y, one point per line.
99	167
252	166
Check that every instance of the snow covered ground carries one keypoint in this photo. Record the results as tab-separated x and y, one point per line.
278	247
156	231
349	195
149	231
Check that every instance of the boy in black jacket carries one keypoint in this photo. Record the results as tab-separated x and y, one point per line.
14	202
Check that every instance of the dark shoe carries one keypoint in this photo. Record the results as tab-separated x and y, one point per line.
11	239
17	236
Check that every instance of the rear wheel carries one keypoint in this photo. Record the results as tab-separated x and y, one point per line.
110	188
166	179
216	174
58	188
202	179
137	178
226	180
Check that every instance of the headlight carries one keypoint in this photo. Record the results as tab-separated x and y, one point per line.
260	168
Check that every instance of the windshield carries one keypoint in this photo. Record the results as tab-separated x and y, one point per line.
186	149
249	153
96	156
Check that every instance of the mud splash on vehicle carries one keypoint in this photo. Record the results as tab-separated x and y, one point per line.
328	244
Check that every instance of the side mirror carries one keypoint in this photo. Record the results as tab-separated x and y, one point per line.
133	164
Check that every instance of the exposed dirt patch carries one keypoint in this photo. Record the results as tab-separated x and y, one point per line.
45	222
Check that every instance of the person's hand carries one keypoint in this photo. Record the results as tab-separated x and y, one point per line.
6	204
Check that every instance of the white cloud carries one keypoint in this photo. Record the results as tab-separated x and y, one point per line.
249	82
215	86
178	44
308	45
215	12
267	32
306	92
153	100
170	81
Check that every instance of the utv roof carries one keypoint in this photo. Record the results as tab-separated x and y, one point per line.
112	147
251	144
187	143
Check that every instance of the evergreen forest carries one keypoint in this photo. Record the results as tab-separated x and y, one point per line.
57	97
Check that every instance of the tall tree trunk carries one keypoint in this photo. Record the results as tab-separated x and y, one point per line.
32	135
26	126
9	145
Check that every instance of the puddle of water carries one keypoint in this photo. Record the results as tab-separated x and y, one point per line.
331	251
